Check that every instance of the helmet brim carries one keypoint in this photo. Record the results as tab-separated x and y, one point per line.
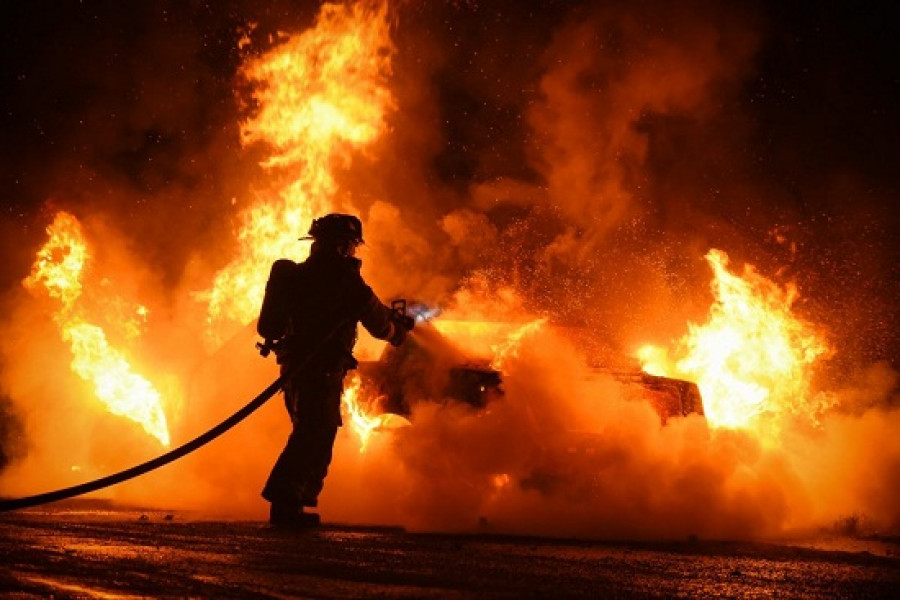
308	238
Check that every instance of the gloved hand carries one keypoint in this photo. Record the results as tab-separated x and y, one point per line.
403	324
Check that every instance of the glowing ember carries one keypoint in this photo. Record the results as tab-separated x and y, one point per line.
362	423
501	481
58	269
321	95
753	359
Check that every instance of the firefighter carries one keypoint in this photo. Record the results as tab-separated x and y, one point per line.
310	315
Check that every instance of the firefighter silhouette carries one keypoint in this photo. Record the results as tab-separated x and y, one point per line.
309	316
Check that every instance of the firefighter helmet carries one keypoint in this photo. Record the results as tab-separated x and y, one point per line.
336	227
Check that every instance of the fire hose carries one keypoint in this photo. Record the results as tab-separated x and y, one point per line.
150	465
398	307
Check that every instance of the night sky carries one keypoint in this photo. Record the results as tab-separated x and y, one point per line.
107	99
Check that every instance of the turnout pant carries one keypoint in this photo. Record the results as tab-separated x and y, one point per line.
313	402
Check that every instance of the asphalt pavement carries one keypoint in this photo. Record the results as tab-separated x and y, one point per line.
99	551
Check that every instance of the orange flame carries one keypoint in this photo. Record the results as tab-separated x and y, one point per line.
320	96
60	262
363	423
753	360
58	269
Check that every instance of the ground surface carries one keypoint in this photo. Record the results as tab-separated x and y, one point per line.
91	551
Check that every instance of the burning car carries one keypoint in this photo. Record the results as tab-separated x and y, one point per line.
431	366
427	365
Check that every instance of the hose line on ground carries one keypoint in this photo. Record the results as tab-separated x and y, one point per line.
159	461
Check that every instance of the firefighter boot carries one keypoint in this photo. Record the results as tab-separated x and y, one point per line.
289	516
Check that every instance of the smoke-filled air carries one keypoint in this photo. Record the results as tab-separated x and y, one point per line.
566	200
